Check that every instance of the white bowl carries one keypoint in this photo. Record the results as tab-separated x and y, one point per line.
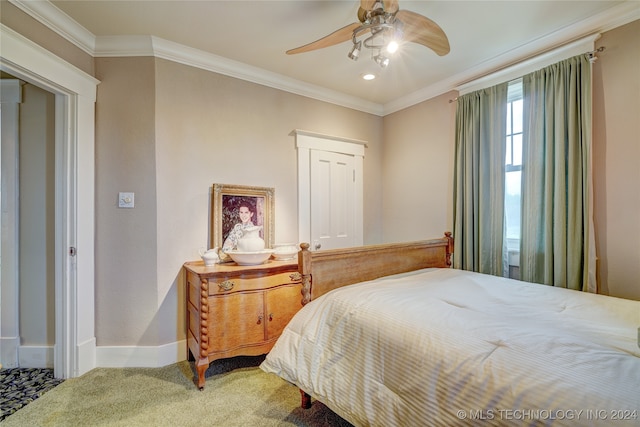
250	258
283	256
285	251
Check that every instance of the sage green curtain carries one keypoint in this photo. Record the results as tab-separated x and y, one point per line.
556	177
479	180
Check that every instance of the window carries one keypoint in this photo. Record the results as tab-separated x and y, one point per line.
513	171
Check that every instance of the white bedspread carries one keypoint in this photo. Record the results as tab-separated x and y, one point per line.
448	347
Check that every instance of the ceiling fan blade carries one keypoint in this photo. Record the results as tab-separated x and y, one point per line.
367	4
422	30
390	6
338	36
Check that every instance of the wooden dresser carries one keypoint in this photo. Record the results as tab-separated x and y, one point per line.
238	310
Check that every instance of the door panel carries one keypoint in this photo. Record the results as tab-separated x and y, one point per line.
332	200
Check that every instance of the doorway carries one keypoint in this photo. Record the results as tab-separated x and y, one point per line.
28	221
74	92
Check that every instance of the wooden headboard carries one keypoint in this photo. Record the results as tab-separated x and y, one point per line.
325	270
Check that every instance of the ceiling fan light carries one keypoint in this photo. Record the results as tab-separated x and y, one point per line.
381	60
355	51
392	47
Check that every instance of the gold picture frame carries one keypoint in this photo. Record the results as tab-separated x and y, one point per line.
225	203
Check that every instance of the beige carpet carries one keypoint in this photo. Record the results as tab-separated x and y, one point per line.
237	393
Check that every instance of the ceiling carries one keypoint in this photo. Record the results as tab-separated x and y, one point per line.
483	35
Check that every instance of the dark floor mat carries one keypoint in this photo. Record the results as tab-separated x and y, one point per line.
20	386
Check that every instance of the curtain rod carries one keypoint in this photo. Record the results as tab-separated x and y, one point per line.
592	58
592	55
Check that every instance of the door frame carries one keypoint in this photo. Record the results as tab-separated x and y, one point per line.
10	97
307	141
75	96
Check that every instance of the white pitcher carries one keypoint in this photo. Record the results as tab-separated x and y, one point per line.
251	240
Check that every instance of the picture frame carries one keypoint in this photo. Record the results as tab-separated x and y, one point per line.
225	204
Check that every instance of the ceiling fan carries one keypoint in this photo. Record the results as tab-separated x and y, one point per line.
385	26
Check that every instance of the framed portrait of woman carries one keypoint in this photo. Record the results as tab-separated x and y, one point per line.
234	207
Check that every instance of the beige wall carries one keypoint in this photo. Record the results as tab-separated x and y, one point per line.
417	170
126	239
167	131
616	161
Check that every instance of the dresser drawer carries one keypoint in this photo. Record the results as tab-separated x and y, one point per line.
231	284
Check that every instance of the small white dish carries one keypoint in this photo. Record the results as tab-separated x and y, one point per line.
250	258
285	251
284	256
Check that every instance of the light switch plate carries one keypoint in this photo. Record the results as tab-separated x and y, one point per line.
126	200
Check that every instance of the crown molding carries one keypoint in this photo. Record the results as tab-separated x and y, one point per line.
59	22
105	46
585	29
589	28
109	46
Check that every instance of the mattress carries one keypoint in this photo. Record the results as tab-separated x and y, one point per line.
444	347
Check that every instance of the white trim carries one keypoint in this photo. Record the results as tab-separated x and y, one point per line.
9	347
304	194
58	21
36	356
20	50
86	356
141	356
10	98
577	47
75	93
422	95
336	144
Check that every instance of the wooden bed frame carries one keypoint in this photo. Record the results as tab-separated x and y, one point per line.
325	270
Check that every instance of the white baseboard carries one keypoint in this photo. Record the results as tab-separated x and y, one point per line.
9	351
35	356
140	356
14	355
86	357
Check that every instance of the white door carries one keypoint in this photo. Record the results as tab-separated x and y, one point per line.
330	190
332	200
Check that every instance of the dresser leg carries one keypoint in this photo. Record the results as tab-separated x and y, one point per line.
201	367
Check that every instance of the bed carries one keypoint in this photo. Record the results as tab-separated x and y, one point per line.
390	335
